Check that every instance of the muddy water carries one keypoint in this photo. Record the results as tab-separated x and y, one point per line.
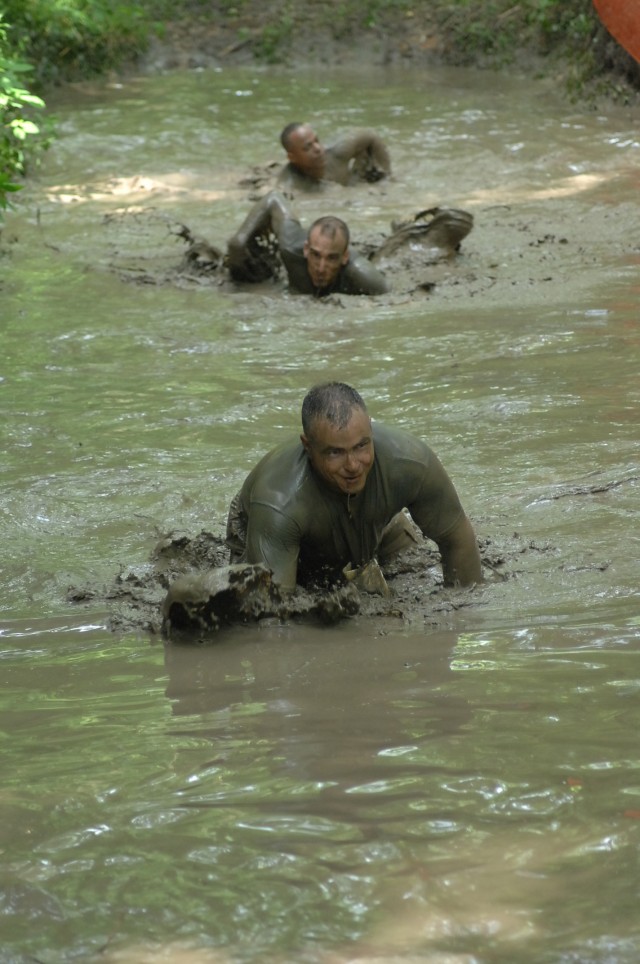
459	789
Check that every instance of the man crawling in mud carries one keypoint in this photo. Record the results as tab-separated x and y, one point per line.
359	156
331	503
318	262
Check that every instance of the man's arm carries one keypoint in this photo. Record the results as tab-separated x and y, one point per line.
460	555
436	509
274	541
369	153
268	215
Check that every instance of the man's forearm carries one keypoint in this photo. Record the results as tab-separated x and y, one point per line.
461	563
256	220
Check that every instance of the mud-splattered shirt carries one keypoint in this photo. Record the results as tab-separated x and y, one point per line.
288	518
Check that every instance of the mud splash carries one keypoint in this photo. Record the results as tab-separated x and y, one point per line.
426	239
188	592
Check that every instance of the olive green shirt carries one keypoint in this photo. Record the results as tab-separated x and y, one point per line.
287	517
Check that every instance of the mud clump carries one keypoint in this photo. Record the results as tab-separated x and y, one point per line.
188	592
224	595
199	604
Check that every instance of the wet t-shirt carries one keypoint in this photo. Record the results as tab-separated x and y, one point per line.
357	277
288	518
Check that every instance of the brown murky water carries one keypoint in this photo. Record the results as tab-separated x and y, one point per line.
465	788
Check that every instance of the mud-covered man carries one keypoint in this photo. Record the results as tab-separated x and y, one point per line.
359	156
318	262
332	501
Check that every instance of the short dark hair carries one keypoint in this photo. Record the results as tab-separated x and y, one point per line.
288	131
333	401
331	226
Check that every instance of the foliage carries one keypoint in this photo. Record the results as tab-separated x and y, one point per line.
496	28
21	138
64	39
49	41
273	40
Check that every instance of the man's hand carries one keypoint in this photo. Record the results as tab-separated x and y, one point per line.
253	259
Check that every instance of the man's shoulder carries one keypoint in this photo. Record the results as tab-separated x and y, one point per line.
279	476
395	443
282	456
359	276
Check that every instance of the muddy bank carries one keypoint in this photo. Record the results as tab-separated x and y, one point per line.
334	33
250	34
591	66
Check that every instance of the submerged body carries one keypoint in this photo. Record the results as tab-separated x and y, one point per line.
359	156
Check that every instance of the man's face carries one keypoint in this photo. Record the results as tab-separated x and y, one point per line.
306	152
343	457
325	256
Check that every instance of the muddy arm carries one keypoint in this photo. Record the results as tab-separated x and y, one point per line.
460	555
368	152
364	278
273	540
268	214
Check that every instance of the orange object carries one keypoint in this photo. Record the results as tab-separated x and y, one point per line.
622	20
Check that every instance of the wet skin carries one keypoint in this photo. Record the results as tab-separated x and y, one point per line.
306	152
325	256
343	457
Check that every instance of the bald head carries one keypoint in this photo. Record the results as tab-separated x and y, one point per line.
304	150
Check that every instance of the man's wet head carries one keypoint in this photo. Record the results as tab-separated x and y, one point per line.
304	150
336	435
326	250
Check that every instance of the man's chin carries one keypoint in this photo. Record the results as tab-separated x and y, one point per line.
352	487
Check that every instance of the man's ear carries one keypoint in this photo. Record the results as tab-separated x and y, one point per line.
345	256
305	249
306	444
